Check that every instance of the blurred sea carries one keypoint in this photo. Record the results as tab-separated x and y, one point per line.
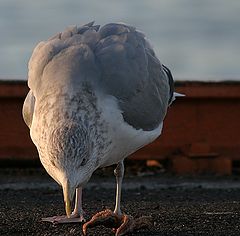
197	40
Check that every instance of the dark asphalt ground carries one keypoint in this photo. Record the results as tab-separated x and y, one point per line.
206	205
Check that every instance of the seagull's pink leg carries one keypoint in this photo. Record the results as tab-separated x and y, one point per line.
78	211
119	173
75	217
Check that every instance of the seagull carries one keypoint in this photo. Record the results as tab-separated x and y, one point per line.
97	94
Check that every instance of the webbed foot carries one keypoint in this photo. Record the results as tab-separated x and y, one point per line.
74	218
121	224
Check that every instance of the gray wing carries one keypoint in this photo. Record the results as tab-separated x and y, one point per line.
116	57
131	72
28	108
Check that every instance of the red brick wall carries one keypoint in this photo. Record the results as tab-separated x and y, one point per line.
15	142
208	115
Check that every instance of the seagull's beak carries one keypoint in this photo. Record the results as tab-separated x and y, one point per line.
66	194
68	207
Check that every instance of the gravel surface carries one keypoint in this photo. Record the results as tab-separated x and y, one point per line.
206	205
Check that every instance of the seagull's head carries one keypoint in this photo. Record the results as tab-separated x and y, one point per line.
70	158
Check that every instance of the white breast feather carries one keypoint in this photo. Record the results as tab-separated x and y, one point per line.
126	139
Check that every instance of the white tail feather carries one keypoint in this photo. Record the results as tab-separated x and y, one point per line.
178	94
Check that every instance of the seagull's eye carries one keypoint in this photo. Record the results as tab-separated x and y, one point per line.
84	162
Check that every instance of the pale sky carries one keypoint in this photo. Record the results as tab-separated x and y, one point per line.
196	39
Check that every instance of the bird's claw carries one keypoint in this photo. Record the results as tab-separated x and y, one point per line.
121	225
74	218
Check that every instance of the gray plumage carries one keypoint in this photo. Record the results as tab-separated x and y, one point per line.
123	64
97	94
